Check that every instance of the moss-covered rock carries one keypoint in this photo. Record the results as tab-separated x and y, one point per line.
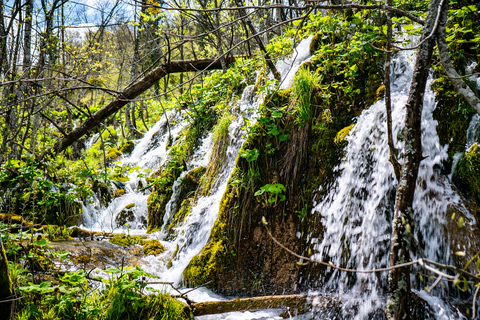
126	215
127	147
112	154
127	240
467	174
164	178
153	247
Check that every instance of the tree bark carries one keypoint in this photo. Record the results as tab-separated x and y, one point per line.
399	293
130	93
299	302
268	59
460	85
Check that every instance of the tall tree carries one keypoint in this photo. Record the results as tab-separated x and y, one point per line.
399	292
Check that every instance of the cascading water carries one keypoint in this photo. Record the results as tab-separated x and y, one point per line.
356	214
151	152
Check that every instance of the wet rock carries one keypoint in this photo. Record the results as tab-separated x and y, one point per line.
127	147
126	215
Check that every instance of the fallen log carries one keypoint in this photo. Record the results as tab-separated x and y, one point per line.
297	303
131	92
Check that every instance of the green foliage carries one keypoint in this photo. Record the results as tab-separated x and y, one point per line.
304	84
123	297
271	194
32	193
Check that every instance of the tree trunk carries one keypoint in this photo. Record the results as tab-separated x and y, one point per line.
130	93
388	99
460	86
299	302
399	295
5	285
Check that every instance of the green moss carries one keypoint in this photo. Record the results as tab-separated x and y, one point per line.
129	206
13	219
203	267
342	134
467	175
207	265
127	147
112	154
126	240
153	247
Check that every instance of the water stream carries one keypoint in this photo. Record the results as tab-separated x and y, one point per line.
357	212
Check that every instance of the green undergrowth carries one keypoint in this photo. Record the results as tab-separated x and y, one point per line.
124	296
49	294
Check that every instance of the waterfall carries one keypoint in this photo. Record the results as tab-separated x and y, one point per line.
150	152
357	212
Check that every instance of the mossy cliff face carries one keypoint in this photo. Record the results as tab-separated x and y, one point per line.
453	115
183	204
281	149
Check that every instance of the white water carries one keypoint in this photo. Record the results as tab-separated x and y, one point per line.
149	153
357	212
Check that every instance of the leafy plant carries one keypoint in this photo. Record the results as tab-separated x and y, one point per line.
271	194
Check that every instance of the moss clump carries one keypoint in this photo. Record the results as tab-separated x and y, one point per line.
203	268
342	134
467	175
127	147
119	192
112	154
153	247
11	218
163	306
126	240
